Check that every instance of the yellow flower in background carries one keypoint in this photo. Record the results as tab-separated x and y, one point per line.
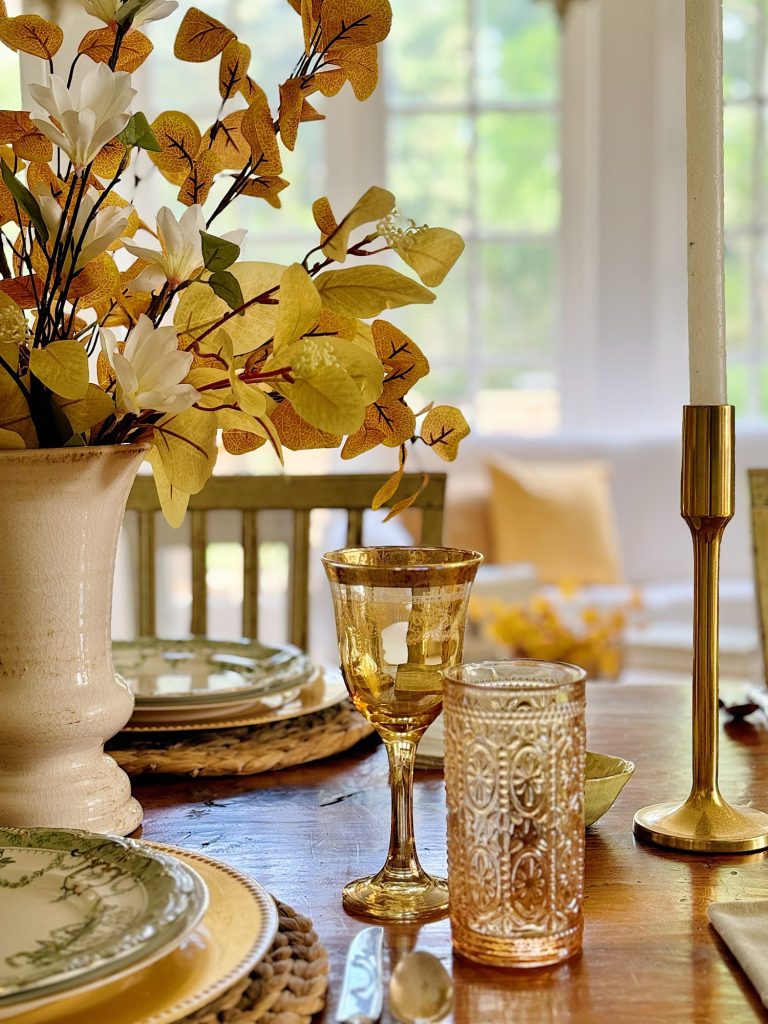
558	630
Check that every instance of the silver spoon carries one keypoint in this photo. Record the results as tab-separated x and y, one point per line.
420	989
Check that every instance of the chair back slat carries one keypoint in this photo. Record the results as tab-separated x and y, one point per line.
250	573
299	578
251	495
146	581
199	544
354	528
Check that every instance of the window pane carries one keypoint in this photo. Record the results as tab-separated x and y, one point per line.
741	19
518	311
427	52
740	125
519	402
518	171
737	294
443	328
517	50
429	161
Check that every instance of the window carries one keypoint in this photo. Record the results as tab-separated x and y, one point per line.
471	104
745	29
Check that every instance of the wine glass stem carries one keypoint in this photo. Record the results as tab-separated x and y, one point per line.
402	862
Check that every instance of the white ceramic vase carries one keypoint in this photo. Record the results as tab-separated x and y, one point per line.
60	516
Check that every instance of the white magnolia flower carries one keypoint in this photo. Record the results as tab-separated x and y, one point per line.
180	255
150	369
89	235
91	113
130	12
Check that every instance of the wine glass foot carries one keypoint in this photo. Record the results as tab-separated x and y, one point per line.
412	900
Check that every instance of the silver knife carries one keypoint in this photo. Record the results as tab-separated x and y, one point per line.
362	995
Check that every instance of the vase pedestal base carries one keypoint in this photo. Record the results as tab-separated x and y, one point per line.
703	824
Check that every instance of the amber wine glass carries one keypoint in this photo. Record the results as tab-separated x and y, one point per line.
400	616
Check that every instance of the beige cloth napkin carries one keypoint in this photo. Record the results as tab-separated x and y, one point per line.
743	926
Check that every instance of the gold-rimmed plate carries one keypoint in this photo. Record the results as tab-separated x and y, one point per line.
324	690
236	934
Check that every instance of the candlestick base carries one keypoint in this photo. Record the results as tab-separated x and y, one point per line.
703	825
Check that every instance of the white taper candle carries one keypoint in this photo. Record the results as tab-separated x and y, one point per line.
704	122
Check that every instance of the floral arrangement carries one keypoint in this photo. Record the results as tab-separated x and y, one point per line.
559	629
116	329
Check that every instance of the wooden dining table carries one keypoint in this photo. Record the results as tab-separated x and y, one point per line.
649	953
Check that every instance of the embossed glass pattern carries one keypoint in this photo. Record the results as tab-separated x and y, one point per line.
400	615
514	775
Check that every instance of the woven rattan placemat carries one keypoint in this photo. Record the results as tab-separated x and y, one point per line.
245	751
287	987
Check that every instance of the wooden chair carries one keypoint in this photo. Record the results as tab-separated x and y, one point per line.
250	495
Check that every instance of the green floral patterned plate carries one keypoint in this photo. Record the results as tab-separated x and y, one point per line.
77	907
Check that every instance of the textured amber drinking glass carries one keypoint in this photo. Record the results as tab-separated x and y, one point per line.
514	775
400	616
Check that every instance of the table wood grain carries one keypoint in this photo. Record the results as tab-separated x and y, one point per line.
649	953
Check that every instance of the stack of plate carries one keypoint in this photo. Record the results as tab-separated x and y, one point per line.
206	684
99	929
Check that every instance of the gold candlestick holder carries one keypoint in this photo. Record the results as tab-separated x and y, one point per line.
705	822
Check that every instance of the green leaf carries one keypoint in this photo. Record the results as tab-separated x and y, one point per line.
227	287
218	253
138	133
25	199
62	366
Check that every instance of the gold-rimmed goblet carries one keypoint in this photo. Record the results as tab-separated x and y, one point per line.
400	616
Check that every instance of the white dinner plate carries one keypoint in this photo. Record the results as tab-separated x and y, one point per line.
80	909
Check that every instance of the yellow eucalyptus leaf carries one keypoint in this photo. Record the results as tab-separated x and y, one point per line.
200	37
32	34
259	132
401	506
28	141
360	65
180	139
329	82
198	308
387	489
388	421
14	410
92	409
98	281
240	442
299	308
226	140
328	399
291	102
431	252
99	45
442	429
298	435
266	188
173	502
308	113
371	206
236	419
196	187
108	159
366	291
249	397
10	440
186	446
235	59
407	363
324	218
362	365
62	367
355	23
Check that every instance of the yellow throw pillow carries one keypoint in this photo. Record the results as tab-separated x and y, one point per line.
558	516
